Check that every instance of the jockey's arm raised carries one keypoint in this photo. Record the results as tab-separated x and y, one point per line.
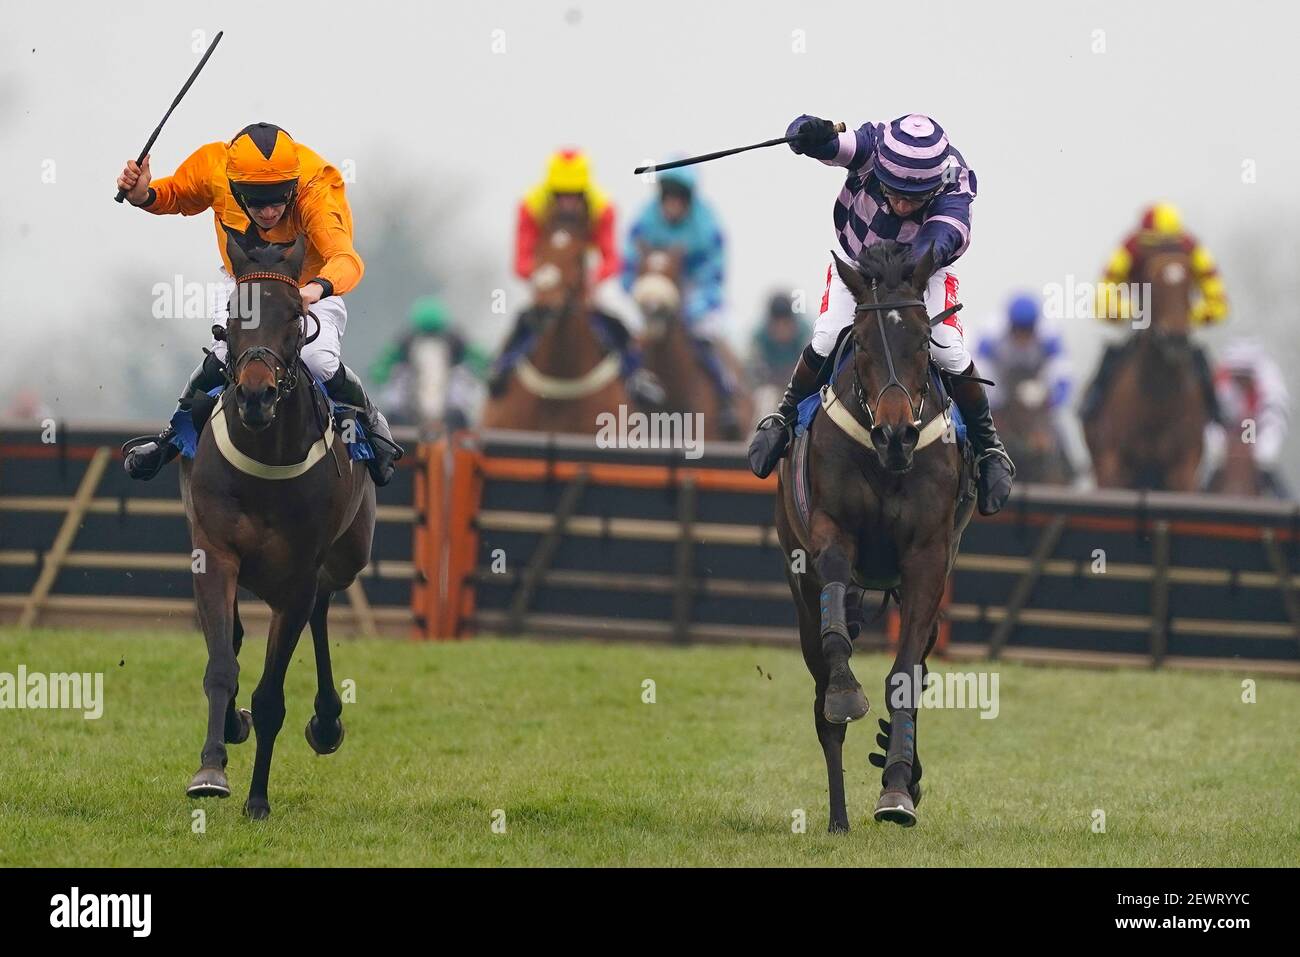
188	191
851	149
946	226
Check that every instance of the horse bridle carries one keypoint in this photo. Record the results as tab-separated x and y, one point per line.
284	372
859	393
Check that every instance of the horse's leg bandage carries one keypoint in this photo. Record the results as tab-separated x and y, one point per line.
835	627
902	741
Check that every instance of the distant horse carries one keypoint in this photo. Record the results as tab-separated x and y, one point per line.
881	504
275	505
1239	473
672	356
1148	431
1028	428
569	377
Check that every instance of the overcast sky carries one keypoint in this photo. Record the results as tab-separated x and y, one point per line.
1072	115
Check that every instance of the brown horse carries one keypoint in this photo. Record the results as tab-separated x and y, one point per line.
1148	431
1239	473
1028	428
672	356
569	377
275	505
888	496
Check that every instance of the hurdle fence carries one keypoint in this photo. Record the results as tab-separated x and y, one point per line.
552	536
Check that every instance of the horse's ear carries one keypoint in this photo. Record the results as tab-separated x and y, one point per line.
849	275
294	257
239	260
922	272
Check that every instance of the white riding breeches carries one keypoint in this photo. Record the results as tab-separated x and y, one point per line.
323	355
837	312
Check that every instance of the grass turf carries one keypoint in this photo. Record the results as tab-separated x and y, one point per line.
556	736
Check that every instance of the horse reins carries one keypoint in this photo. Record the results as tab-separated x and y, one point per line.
879	308
551	387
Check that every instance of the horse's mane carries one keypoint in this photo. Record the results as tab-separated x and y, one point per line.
271	254
889	263
266	255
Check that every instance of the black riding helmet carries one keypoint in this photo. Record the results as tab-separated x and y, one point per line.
675	187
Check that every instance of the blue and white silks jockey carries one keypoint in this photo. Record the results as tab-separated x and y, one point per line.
904	183
679	220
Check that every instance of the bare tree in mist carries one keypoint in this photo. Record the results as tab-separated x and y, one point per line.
124	363
416	238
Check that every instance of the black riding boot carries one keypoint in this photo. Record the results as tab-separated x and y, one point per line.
1206	377
499	374
776	428
146	455
344	386
643	386
996	470
729	426
1097	388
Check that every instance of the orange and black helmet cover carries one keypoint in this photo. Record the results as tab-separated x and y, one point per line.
262	165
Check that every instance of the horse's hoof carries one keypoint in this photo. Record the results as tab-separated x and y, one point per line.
208	783
897	807
245	718
845	699
838	827
315	742
257	810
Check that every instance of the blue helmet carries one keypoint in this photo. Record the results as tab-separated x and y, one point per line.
1023	312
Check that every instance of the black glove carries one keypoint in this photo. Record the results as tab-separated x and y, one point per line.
812	133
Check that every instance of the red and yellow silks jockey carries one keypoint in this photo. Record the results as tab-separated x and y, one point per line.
568	189
1159	229
567	185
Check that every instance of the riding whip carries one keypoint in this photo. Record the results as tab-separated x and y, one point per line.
692	160
121	193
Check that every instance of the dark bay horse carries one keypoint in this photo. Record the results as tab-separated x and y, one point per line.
1028	427
1149	429
674	358
889	494
569	377
275	505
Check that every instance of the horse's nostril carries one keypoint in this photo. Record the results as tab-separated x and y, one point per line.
880	436
909	435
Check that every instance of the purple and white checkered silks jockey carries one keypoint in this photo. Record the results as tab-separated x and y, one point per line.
911	155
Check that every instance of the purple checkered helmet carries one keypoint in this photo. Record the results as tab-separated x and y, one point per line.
912	154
